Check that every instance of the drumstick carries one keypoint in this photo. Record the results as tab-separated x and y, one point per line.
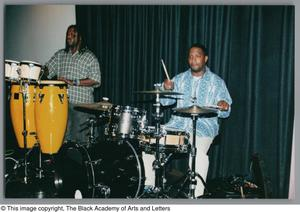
165	69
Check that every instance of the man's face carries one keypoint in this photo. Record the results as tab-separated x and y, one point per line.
72	37
197	59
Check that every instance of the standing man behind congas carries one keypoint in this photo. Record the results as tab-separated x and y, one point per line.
79	68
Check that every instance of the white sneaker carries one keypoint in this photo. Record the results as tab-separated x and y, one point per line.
78	194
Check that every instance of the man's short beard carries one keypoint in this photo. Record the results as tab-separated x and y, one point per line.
198	70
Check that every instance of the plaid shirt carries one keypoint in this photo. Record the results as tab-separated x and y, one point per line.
80	65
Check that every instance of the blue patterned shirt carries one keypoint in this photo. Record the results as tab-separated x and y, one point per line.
208	90
76	66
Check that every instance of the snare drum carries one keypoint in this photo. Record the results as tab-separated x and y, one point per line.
171	141
126	122
11	70
51	114
30	70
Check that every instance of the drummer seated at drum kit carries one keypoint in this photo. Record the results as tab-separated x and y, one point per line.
199	86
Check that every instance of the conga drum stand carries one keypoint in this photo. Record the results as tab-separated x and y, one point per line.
24	133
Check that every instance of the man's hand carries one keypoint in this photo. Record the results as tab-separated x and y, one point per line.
168	84
223	105
69	82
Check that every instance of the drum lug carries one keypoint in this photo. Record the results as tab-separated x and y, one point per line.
103	189
133	179
94	162
120	142
130	157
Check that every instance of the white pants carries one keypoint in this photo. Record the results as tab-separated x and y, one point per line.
201	166
202	161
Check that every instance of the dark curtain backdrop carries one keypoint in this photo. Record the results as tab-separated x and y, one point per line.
250	47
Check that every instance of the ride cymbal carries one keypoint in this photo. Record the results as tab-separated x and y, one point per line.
195	109
161	92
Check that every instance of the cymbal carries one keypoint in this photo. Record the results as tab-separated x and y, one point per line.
195	109
161	92
97	106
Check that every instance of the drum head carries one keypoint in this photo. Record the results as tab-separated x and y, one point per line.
12	61
105	170
31	62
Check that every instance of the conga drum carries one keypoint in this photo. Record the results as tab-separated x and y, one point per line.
30	70
51	114
16	113
11	70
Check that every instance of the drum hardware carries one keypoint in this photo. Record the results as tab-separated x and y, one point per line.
24	98
160	159
15	166
194	111
91	126
94	162
103	189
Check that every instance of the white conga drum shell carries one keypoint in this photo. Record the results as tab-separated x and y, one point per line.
11	69
16	113
30	70
51	114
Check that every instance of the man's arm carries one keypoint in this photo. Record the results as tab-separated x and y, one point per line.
79	82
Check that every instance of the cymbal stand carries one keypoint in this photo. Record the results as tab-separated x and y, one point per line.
193	181
192	174
157	163
164	161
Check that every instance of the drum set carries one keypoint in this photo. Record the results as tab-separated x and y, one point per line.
108	168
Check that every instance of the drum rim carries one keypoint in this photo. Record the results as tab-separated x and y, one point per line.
30	62
12	61
52	82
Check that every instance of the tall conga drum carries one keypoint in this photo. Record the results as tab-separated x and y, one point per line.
51	114
16	113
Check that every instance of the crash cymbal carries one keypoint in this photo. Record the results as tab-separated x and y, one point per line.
97	106
195	109
166	92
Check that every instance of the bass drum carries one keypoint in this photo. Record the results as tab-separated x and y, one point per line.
102	170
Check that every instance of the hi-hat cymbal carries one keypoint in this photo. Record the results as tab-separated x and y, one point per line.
97	106
195	110
166	92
